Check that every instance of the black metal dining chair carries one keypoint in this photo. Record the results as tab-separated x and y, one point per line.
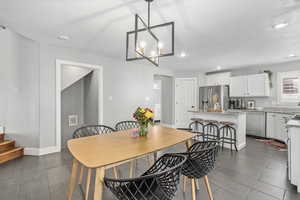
86	131
91	130
126	125
201	158
160	182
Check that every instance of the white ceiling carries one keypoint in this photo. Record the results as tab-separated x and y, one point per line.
230	33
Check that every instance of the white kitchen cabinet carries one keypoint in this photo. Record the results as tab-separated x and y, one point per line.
256	85
238	86
218	79
293	152
276	126
256	124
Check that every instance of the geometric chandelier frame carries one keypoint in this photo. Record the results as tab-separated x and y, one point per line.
149	34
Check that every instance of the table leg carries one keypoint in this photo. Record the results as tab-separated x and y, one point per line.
131	168
188	144
99	183
73	179
88	181
81	175
116	174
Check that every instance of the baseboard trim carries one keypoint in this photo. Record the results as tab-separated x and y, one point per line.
31	151
40	151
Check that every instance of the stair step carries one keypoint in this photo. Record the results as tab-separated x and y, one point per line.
6	146
11	154
2	137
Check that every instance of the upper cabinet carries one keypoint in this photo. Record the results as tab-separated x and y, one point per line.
238	86
256	85
218	79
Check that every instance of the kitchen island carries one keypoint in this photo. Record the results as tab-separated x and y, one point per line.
235	116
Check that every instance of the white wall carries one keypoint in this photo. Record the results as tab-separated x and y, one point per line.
72	103
70	74
27	83
128	83
19	88
91	97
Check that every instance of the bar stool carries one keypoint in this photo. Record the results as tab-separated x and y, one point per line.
228	134
211	130
197	128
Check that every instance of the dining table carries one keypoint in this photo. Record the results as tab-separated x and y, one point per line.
105	151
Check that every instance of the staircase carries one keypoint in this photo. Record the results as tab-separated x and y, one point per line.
8	150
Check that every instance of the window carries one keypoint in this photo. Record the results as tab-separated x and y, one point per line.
289	87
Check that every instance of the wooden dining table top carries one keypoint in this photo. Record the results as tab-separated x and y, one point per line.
108	149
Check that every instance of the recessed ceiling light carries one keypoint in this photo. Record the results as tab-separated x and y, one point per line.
280	25
219	68
182	54
292	56
63	37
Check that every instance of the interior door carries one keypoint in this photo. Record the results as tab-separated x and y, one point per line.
185	100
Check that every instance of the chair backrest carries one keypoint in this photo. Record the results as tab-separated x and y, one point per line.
211	132
160	182
225	130
197	127
91	130
201	158
125	125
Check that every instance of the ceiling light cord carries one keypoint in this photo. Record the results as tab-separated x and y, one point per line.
149	14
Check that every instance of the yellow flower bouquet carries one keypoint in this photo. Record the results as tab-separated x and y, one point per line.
145	117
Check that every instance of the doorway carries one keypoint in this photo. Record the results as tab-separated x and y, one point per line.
185	100
163	89
79	93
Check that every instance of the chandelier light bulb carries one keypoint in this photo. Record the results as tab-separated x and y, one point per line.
160	45
143	44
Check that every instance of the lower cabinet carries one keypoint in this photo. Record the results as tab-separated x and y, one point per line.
293	156
256	124
276	126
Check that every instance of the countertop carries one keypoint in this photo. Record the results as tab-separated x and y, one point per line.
294	123
227	112
280	110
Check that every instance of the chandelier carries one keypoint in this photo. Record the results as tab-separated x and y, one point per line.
149	42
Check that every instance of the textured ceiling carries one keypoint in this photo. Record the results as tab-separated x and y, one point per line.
231	33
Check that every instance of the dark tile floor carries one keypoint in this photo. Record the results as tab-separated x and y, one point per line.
256	173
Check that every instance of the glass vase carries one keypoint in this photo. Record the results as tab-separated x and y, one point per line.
143	129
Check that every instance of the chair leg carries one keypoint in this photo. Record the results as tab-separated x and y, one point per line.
116	172
194	189
197	184
184	183
208	188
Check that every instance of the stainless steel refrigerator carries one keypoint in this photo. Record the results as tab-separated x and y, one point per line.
214	98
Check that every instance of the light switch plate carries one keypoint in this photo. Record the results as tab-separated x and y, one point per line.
73	120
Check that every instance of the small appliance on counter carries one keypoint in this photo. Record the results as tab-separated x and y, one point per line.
238	103
251	105
214	98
